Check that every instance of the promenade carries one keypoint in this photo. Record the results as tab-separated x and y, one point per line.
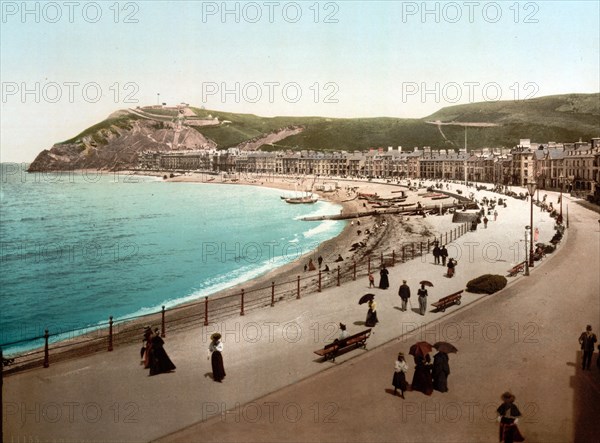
269	352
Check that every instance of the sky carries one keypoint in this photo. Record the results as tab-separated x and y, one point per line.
65	66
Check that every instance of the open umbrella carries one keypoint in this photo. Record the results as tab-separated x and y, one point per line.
421	348
445	347
426	283
366	298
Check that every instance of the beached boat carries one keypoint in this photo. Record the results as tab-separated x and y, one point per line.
301	200
440	197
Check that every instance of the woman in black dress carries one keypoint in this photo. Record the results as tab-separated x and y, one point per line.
422	377
508	416
441	371
384	283
216	358
372	319
159	360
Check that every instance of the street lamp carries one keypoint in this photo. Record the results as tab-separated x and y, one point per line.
531	190
562	179
526	273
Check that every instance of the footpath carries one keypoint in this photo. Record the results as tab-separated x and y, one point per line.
109	397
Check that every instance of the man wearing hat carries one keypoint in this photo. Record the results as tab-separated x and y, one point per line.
404	293
587	340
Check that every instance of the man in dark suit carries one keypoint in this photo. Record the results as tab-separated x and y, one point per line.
404	293
587	340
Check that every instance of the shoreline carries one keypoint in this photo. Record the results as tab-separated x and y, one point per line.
183	316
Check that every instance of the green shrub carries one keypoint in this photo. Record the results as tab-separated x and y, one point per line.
486	284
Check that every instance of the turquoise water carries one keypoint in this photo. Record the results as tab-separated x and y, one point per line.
77	249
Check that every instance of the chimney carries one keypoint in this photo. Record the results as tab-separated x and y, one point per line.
399	148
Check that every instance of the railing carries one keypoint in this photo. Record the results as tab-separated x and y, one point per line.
211	309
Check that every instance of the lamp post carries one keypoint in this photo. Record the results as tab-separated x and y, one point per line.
562	179
526	273
531	190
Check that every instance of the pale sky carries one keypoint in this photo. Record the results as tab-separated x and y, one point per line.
68	65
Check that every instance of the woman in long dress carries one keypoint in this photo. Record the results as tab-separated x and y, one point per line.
147	345
508	417
422	378
216	358
159	360
399	380
451	266
372	319
384	283
440	372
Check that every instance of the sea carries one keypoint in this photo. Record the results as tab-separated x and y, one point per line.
78	247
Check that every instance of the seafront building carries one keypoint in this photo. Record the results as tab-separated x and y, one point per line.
572	166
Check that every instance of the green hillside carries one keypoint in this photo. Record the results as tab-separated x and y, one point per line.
554	118
560	118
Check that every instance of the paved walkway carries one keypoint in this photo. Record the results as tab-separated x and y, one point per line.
109	397
523	339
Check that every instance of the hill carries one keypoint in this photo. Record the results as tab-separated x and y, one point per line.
115	142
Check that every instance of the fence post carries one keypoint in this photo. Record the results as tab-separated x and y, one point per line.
205	311
272	293
369	264
441	239
446	238
455	237
428	246
354	270
162	323
110	334
319	280
46	357
338	275
412	249
420	248
242	300
403	253
298	295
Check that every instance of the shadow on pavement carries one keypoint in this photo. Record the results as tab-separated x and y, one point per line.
586	400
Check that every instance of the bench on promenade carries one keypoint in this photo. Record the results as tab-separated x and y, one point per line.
353	341
449	300
516	269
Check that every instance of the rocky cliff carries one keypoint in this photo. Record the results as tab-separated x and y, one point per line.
115	143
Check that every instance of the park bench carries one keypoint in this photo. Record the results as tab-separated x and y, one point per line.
516	269
449	300
353	341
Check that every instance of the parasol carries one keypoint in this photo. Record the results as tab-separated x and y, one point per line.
421	348
445	347
366	298
426	283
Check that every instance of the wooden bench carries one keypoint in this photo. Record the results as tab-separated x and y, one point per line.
353	341
449	300
516	269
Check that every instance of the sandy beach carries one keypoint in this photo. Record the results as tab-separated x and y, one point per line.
364	237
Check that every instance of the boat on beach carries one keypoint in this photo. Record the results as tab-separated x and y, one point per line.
301	200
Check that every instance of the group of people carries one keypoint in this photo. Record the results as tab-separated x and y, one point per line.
153	354
155	358
427	376
441	254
